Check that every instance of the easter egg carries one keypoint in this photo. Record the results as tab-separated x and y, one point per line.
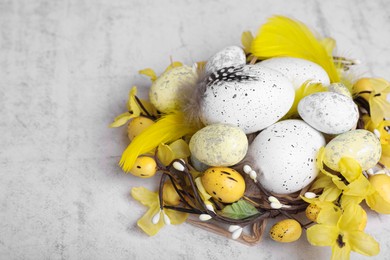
284	155
228	57
329	112
144	167
137	126
165	92
249	97
361	145
219	145
298	71
339	88
285	231
312	212
224	184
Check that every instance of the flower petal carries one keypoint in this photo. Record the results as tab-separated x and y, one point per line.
331	193
165	154
352	217
145	196
180	149
363	243
145	222
350	168
329	214
176	217
360	187
340	253
322	235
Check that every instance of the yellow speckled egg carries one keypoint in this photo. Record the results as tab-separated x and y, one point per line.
340	88
219	145
144	167
165	92
285	231
137	126
312	212
361	145
224	184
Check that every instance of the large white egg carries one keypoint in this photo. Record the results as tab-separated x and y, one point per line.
228	57
219	145
298	71
249	97
165	92
329	112
285	156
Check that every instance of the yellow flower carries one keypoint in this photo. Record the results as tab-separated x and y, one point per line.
153	76
176	150
154	213
327	208
375	91
380	199
134	109
384	137
343	234
351	182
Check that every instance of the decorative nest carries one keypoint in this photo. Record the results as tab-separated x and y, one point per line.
162	131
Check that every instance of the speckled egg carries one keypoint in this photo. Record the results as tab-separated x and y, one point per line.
329	112
144	167
249	97
228	57
286	231
361	145
298	71
165	92
284	155
223	184
219	145
340	88
137	126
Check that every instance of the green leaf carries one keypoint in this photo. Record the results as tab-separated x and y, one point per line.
239	210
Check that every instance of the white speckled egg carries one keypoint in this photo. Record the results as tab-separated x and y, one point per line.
228	57
219	145
249	97
165	92
298	71
361	145
340	88
329	112
285	155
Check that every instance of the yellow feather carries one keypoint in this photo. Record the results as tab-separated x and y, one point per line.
285	37
167	129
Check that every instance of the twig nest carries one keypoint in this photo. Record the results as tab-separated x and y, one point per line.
329	112
224	184
298	71
361	145
219	145
286	154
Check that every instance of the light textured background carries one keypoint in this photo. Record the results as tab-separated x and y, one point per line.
65	70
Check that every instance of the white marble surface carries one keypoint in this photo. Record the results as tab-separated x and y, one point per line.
65	71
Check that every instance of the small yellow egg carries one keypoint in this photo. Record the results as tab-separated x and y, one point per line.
137	126
170	195
285	231
144	167
224	184
380	199
312	212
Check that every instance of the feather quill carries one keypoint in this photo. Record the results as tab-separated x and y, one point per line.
167	129
285	37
